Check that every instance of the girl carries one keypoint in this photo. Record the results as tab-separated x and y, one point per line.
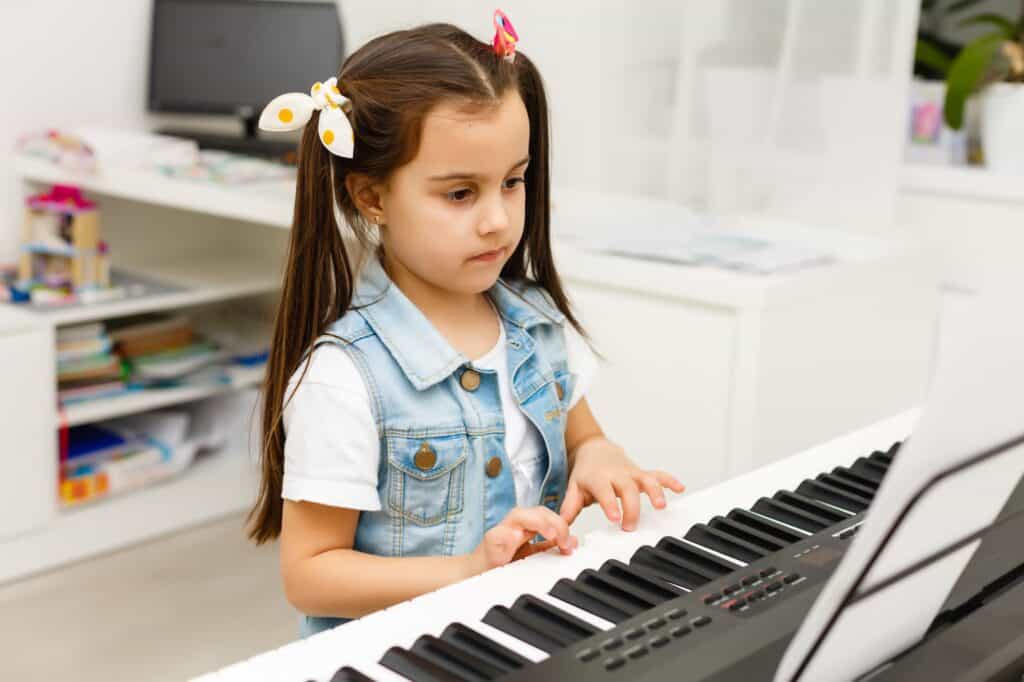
424	417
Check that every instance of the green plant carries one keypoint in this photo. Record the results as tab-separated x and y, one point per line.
995	56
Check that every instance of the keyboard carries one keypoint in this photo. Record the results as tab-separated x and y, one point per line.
710	588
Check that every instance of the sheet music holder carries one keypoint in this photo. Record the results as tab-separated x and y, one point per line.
920	534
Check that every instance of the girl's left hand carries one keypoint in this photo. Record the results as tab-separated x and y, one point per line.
602	472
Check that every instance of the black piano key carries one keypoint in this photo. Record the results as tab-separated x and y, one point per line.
706	536
667	567
887	455
617	588
542	613
455	660
502	618
741	532
829	494
415	667
868	468
787	536
593	601
656	590
349	674
709	564
483	647
849	486
851	475
810	505
880	458
788	514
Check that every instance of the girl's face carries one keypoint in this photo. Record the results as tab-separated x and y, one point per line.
455	213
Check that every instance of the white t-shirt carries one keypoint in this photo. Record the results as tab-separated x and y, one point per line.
332	451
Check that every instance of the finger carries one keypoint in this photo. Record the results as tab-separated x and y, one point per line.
572	504
531	548
543	521
629	495
652	488
605	496
669	481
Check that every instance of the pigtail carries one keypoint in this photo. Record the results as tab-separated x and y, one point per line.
316	290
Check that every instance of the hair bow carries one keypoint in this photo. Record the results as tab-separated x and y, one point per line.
293	110
505	36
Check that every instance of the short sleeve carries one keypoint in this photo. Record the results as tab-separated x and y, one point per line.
582	362
331	450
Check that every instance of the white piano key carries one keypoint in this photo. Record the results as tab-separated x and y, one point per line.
739	564
585	616
527	651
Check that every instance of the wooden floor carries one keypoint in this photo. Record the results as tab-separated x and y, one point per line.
170	609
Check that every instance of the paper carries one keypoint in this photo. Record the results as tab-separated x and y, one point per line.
976	402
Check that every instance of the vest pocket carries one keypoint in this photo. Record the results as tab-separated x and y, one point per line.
426	477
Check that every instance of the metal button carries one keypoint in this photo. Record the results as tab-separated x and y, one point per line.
559	391
470	380
425	457
493	466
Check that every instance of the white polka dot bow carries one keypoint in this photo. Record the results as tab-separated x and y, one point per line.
293	110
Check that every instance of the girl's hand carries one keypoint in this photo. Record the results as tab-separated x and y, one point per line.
602	472
510	539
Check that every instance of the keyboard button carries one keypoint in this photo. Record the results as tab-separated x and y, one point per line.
768	571
712	598
636	652
773	587
654	624
613	643
635	633
659	641
749	580
755	595
614	663
680	631
675	614
737	605
730	589
588	655
701	621
791	578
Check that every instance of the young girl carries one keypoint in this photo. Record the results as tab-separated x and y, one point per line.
424	417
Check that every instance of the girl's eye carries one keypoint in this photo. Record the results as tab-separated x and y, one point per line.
458	195
512	182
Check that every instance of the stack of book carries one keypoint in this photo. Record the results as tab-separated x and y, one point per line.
162	350
87	366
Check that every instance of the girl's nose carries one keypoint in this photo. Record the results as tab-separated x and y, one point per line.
495	218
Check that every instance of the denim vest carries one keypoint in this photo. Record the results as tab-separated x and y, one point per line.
444	477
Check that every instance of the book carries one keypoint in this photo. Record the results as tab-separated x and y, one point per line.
151	335
80	332
77	350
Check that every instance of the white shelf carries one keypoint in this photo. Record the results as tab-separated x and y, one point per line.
959	181
152	399
203	280
265	202
217	484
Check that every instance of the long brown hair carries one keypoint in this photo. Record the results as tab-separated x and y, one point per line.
392	82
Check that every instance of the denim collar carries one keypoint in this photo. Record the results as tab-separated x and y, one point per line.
425	356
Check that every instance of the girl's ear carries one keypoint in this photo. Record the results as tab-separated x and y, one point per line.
367	195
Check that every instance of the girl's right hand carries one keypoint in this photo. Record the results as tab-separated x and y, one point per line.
510	539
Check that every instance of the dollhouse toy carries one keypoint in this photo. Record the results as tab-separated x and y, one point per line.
62	254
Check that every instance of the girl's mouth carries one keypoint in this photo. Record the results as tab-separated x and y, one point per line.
488	256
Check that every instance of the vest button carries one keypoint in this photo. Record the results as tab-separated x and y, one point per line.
559	391
425	457
470	380
493	466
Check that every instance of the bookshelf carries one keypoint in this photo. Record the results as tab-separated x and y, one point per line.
230	241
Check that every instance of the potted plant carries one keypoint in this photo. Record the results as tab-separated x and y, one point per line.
993	64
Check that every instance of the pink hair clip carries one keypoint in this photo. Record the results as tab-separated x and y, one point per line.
505	36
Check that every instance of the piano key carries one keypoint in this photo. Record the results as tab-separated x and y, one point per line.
829	494
593	601
825	512
886	455
657	590
852	475
521	648
705	536
710	563
587	617
786	534
788	514
541	613
502	618
485	648
650	561
881	458
620	588
349	674
866	467
747	534
852	487
456	661
415	667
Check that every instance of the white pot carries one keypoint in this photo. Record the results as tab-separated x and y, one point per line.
1002	127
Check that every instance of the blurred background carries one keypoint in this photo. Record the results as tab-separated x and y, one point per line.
761	212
